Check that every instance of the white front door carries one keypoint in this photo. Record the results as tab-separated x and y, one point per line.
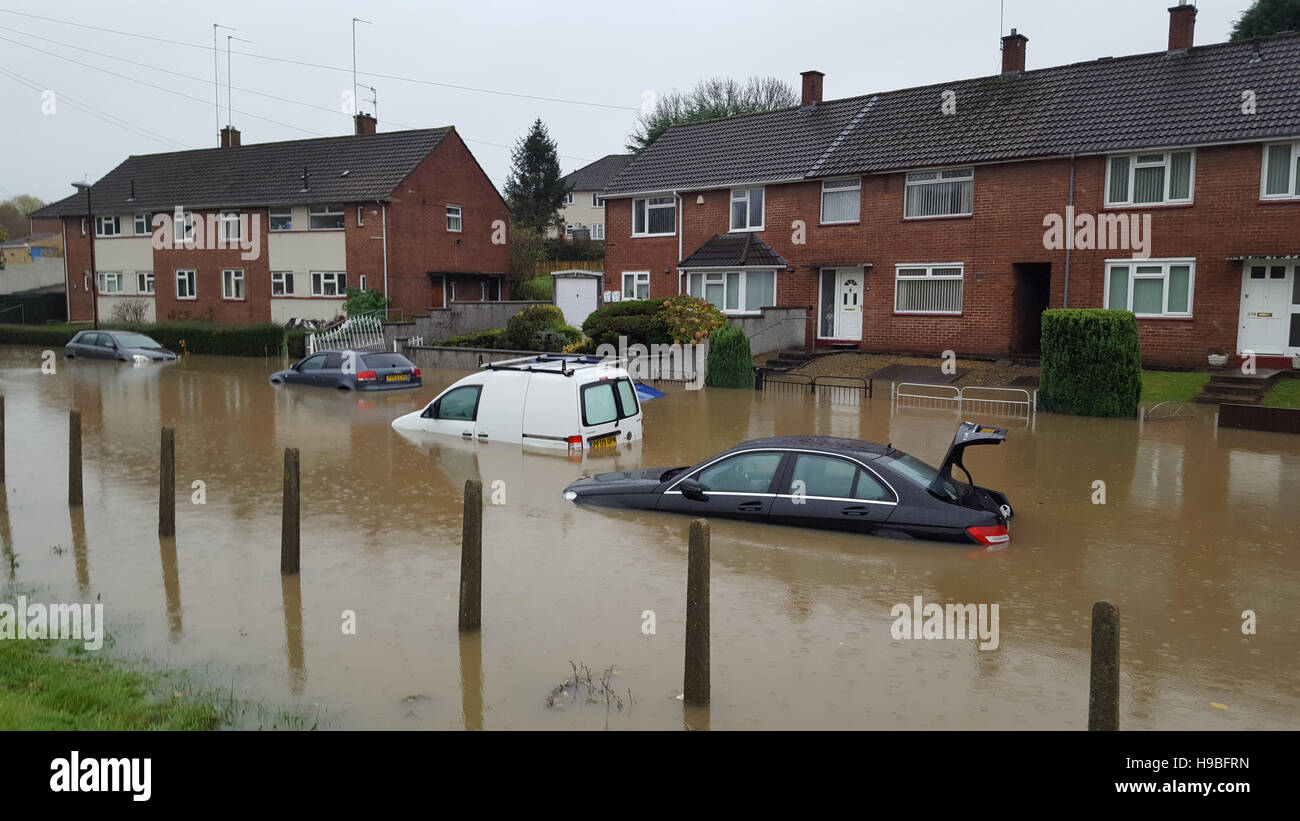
848	303
1266	297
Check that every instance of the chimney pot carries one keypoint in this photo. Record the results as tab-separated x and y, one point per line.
812	87
365	124
1013	52
1182	26
230	137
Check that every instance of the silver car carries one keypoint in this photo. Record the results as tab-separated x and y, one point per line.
124	346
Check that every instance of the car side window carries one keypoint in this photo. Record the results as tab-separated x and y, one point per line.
822	476
868	488
742	473
333	361
88	339
460	404
312	363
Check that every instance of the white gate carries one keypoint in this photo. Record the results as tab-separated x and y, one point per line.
356	333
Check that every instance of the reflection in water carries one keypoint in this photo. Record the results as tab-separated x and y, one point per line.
6	536
80	553
471	678
291	593
695	717
171	586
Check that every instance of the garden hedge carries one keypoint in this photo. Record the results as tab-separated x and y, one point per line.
1091	362
636	319
200	337
731	365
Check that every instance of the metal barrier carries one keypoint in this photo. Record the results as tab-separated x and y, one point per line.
838	390
358	333
994	401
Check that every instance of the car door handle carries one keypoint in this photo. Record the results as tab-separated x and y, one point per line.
856	510
482	436
467	434
750	506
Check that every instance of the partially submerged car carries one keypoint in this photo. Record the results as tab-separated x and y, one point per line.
124	346
352	371
822	482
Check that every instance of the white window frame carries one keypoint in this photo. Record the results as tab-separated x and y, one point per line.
274	213
1166	162
939	173
930	276
190	277
142	225
597	201
339	278
636	278
325	211
856	186
1165	265
105	277
229	230
361	215
361	281
284	279
459	217
232	284
718	276
598	230
1293	186
145	283
568	198
100	222
746	195
186	229
646	204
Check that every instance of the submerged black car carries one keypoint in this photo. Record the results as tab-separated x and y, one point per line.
352	370
822	482
124	346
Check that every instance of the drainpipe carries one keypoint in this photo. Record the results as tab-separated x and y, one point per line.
1065	302
383	221
681	222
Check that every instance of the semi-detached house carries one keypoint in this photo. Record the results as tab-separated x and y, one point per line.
279	231
948	217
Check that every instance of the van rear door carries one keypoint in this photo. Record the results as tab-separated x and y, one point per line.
609	411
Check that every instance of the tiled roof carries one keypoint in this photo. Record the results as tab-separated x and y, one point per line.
733	251
354	168
1142	101
597	175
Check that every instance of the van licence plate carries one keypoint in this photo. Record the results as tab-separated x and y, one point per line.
601	442
398	377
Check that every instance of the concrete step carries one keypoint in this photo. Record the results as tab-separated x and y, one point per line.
1215	399
1236	389
1263	377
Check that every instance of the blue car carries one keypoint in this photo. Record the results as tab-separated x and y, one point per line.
352	371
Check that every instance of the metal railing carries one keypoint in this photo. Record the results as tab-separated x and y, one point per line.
357	333
838	390
1016	402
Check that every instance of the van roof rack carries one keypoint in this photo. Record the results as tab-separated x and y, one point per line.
562	364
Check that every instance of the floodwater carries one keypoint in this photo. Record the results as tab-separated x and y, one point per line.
1197	527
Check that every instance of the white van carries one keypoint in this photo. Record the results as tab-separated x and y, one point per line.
560	401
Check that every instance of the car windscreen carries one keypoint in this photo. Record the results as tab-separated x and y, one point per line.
386	360
926	477
133	340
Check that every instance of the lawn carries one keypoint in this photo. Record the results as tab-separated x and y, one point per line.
1285	394
44	685
1171	386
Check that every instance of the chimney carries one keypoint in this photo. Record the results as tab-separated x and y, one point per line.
1013	52
812	87
230	137
1182	24
365	124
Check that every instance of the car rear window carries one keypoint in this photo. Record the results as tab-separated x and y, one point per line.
387	360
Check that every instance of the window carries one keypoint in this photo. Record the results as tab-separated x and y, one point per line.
184	228
746	209
636	284
144	282
281	219
361	215
928	289
598	230
110	283
597	201
185	285
361	282
742	473
654	217
568	198
328	283
281	283
229	227
460	405
232	283
841	200
1150	179
141	225
735	291
943	193
836	478
1281	170
312	363
108	226
325	217
454	221
1150	288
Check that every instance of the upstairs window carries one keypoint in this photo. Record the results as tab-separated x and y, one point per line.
141	225
1281	170
746	209
108	226
943	193
654	217
281	219
325	217
454	219
841	200
597	201
229	227
1150	179
568	198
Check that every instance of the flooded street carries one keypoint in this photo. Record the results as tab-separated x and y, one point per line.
1197	527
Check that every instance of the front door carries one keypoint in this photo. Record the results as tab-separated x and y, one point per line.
1266	296
841	304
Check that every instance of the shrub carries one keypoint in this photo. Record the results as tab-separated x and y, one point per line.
363	302
129	312
690	319
495	338
731	365
539	328
637	319
538	287
584	346
1091	363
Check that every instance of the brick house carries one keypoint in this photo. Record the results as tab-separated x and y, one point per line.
950	216
278	231
583	211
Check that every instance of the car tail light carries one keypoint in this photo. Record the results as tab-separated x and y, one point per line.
415	372
989	534
367	376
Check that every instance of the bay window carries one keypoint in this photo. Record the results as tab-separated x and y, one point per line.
654	217
841	200
928	289
747	209
1281	177
1156	178
734	292
1150	287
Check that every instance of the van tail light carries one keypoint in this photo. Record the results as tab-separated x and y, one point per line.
989	534
575	440
367	376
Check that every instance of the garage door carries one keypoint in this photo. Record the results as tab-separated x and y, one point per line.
577	297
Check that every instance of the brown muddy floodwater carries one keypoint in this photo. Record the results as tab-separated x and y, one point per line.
1198	526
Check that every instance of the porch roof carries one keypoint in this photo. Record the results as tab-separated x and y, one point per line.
740	250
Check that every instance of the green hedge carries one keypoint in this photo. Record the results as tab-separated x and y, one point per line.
495	338
637	319
1091	362
731	365
539	328
200	337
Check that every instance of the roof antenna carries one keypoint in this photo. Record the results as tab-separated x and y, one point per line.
216	84
374	101
230	37
355	20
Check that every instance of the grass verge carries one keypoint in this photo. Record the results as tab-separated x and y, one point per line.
1171	386
1285	394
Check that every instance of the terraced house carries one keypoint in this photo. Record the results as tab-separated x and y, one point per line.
278	231
950	216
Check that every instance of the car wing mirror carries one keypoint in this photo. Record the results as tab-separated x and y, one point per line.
297	366
693	490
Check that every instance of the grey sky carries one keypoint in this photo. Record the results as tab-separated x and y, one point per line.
608	52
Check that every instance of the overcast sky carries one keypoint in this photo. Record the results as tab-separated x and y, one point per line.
601	58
